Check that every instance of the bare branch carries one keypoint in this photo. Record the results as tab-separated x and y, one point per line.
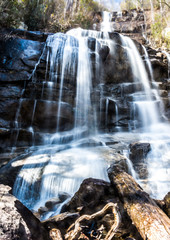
75	233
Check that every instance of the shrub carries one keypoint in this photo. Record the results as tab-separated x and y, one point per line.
10	14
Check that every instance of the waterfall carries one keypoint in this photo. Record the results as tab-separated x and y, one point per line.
57	167
66	159
144	100
84	84
106	23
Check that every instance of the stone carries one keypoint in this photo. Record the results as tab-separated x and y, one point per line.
104	52
23	33
16	221
48	122
63	196
61	221
16	58
5	105
91	43
141	169
43	210
5	138
52	202
91	195
167	204
139	151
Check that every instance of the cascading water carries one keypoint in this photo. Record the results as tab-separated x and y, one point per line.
62	164
53	171
106	23
149	106
144	101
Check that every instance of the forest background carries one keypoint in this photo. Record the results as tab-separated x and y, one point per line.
62	15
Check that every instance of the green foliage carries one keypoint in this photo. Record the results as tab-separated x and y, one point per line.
157	30
10	14
47	15
39	14
84	16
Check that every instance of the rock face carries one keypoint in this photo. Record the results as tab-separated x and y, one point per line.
29	103
16	221
132	23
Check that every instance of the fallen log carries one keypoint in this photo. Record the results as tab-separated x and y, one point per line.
151	222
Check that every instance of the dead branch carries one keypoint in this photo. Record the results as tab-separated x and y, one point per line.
75	233
55	234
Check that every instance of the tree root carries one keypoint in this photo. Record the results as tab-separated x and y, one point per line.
76	232
55	234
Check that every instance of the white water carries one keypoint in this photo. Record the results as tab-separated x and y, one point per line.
143	100
84	84
62	167
57	168
106	23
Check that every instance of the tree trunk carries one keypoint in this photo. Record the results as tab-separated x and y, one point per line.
151	222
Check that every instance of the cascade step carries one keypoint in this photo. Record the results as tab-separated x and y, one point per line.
159	85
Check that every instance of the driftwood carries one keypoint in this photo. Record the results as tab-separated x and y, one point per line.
76	232
55	234
151	222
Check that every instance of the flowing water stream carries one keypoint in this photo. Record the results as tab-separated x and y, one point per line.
65	159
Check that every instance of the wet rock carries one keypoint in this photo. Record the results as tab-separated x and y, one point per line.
15	59
24	138
104	52
91	194
61	221
49	121
121	162
15	76
160	69
167	204
29	35
141	169
13	92
89	143
8	109
139	151
52	202
16	221
5	138
42	210
91	43
63	196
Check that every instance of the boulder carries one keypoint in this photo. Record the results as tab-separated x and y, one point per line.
52	203
166	207
91	194
139	151
16	221
63	196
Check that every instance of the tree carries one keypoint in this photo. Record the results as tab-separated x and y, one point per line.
10	15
